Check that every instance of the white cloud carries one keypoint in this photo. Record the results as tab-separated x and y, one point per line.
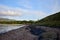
7	11
25	3
10	12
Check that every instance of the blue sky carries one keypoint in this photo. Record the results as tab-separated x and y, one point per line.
28	9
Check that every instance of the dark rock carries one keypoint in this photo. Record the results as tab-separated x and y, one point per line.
32	32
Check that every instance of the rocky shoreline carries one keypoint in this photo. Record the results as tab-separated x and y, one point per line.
32	32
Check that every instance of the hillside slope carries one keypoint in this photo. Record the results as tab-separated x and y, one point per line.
52	20
6	21
3	19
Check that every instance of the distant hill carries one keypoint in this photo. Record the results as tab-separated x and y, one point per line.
52	20
4	19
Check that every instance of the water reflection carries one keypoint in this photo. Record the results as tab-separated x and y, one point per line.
6	28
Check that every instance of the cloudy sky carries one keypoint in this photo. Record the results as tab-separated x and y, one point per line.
28	9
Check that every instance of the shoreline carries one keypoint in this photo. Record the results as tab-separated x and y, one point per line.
30	31
6	28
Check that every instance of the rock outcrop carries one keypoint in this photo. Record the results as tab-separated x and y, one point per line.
32	32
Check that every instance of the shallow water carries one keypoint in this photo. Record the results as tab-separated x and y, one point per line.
6	28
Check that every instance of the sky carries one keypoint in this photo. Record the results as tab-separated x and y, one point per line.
28	9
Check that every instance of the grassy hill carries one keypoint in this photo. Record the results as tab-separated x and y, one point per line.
52	20
6	21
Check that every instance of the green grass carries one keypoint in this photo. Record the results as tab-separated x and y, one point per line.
52	20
